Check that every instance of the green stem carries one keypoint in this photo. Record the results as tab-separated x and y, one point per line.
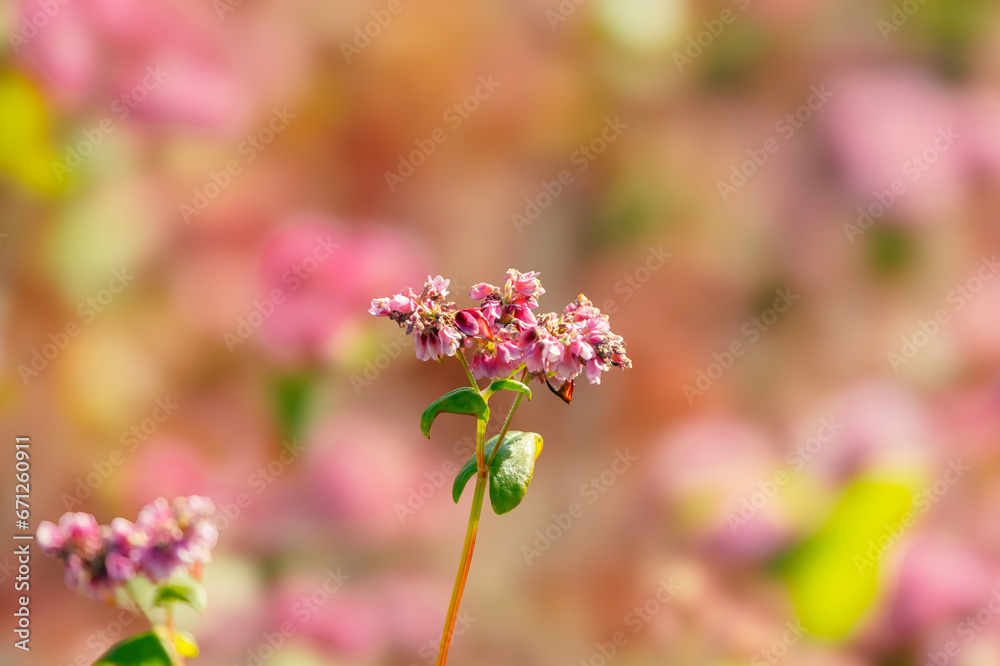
171	628
470	543
465	364
506	424
482	475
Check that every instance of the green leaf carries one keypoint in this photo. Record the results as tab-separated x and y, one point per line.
185	643
138	593
510	471
292	396
184	590
465	400
145	649
467	472
510	385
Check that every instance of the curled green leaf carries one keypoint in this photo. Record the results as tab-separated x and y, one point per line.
510	385
183	590
465	400
510	471
467	472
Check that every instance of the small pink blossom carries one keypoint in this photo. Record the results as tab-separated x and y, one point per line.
504	335
165	539
51	538
427	316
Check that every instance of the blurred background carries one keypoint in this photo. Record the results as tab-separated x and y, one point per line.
789	207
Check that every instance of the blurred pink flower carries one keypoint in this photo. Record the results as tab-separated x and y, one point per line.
716	468
982	113
346	620
148	60
938	580
359	469
870	424
325	274
412	608
976	323
169	466
100	559
898	127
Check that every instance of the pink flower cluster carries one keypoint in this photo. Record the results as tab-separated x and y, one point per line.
504	334
165	540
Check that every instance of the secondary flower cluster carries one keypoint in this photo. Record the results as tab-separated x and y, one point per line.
166	539
504	333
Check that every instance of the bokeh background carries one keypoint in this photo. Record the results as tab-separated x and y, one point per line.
789	206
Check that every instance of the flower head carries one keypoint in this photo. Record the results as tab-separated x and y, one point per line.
99	558
165	540
180	535
514	301
426	316
504	334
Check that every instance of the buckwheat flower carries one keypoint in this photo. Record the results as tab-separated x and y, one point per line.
160	557
50	538
526	286
595	330
472	322
516	300
428	317
96	568
500	359
123	544
563	347
437	342
76	533
541	351
436	287
77	575
400	303
195	517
